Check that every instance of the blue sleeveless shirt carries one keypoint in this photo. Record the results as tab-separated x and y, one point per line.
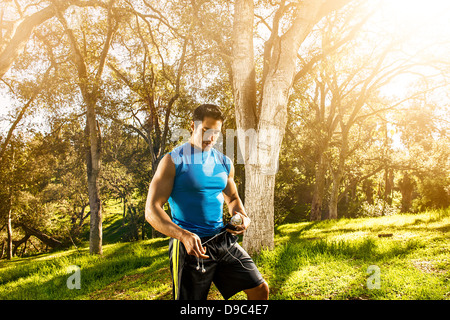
196	201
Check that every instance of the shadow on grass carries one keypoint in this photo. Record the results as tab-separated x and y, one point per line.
301	252
417	224
444	229
114	229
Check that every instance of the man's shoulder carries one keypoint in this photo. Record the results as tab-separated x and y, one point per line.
221	155
177	153
179	149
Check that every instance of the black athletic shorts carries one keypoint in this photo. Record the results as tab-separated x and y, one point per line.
228	266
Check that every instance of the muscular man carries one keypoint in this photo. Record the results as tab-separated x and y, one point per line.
196	179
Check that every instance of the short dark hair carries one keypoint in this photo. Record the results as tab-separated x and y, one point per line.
208	110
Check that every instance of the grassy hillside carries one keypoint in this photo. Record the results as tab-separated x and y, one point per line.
311	260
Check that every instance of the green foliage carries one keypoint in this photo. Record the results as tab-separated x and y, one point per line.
434	193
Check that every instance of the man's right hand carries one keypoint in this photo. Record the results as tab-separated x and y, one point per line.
193	245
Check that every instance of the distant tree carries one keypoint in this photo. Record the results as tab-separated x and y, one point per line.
423	158
158	41
348	111
89	81
30	195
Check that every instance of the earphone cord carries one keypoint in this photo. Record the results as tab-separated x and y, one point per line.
227	251
214	237
238	258
198	260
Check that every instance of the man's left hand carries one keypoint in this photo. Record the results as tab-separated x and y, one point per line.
240	229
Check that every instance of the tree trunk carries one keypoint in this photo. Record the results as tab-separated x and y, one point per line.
244	91
93	172
406	186
3	249
388	185
368	190
334	196
18	243
319	189
262	165
9	248
337	176
259	195
124	210
48	240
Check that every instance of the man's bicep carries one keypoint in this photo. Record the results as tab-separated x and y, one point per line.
162	182
230	190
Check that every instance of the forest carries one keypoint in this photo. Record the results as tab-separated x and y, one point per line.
93	93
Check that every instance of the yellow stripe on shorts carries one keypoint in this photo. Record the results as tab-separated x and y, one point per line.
175	253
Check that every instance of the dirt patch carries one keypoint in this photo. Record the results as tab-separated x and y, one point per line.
426	266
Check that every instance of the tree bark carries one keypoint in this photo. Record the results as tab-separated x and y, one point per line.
259	203
334	196
244	91
93	172
48	240
338	174
3	249
406	186
9	248
18	243
319	189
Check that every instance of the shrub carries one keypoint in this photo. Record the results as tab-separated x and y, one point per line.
377	209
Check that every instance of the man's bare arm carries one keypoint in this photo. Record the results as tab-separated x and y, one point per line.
158	194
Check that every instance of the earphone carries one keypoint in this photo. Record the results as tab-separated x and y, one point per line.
198	266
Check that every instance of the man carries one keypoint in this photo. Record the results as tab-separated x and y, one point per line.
196	179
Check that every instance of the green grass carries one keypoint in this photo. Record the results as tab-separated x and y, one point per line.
311	260
330	259
45	276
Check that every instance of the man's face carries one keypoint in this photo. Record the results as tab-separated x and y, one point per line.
205	133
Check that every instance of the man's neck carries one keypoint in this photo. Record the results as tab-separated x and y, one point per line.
197	147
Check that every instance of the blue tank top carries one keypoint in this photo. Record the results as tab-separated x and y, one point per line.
196	201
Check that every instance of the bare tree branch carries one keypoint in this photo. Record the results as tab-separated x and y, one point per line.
21	114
